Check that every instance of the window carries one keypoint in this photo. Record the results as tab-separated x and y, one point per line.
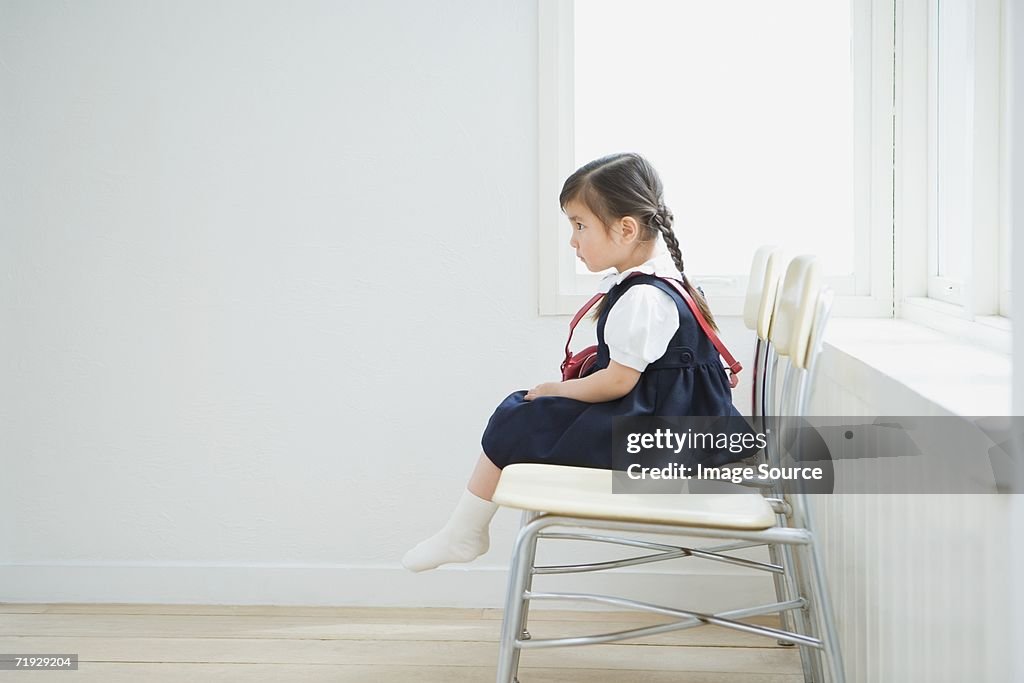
950	167
762	119
952	113
735	102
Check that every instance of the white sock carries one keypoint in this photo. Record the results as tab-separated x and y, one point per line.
464	538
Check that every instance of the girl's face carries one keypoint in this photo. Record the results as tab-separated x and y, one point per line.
599	247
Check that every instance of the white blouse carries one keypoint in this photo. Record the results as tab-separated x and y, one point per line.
644	319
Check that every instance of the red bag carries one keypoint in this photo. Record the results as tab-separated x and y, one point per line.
576	365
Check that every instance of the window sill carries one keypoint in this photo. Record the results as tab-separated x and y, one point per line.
897	367
990	331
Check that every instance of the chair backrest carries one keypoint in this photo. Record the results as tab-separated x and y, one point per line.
755	285
789	333
758	310
796	316
822	312
794	312
770	285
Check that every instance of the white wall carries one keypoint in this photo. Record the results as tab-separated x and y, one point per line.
1016	123
267	268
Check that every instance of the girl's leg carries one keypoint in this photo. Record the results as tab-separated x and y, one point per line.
465	537
485	478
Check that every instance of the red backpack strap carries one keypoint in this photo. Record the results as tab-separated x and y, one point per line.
734	365
576	319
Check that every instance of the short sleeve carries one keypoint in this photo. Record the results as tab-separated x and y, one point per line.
640	325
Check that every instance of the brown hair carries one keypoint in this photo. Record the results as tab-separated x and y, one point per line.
621	185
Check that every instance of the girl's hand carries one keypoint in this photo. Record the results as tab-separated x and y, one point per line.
545	389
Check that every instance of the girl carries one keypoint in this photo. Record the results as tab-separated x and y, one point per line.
653	358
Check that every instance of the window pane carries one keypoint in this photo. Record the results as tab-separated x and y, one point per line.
744	107
953	150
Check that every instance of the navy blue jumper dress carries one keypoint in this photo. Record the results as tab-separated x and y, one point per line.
687	380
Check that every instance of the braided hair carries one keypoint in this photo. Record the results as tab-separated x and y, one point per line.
626	184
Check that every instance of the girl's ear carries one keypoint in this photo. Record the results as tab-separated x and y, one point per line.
630	229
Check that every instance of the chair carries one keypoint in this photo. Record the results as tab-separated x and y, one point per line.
766	271
759	314
785	334
581	499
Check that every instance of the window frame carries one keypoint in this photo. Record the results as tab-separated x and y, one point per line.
979	314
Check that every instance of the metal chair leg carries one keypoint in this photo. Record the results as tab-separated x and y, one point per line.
515	602
775	557
822	615
528	516
810	658
798	618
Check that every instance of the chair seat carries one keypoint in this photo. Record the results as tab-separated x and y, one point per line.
587	492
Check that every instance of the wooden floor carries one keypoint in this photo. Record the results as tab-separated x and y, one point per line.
159	643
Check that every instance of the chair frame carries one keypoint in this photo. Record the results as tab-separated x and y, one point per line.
801	592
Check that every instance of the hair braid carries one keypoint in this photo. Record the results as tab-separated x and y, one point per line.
662	222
